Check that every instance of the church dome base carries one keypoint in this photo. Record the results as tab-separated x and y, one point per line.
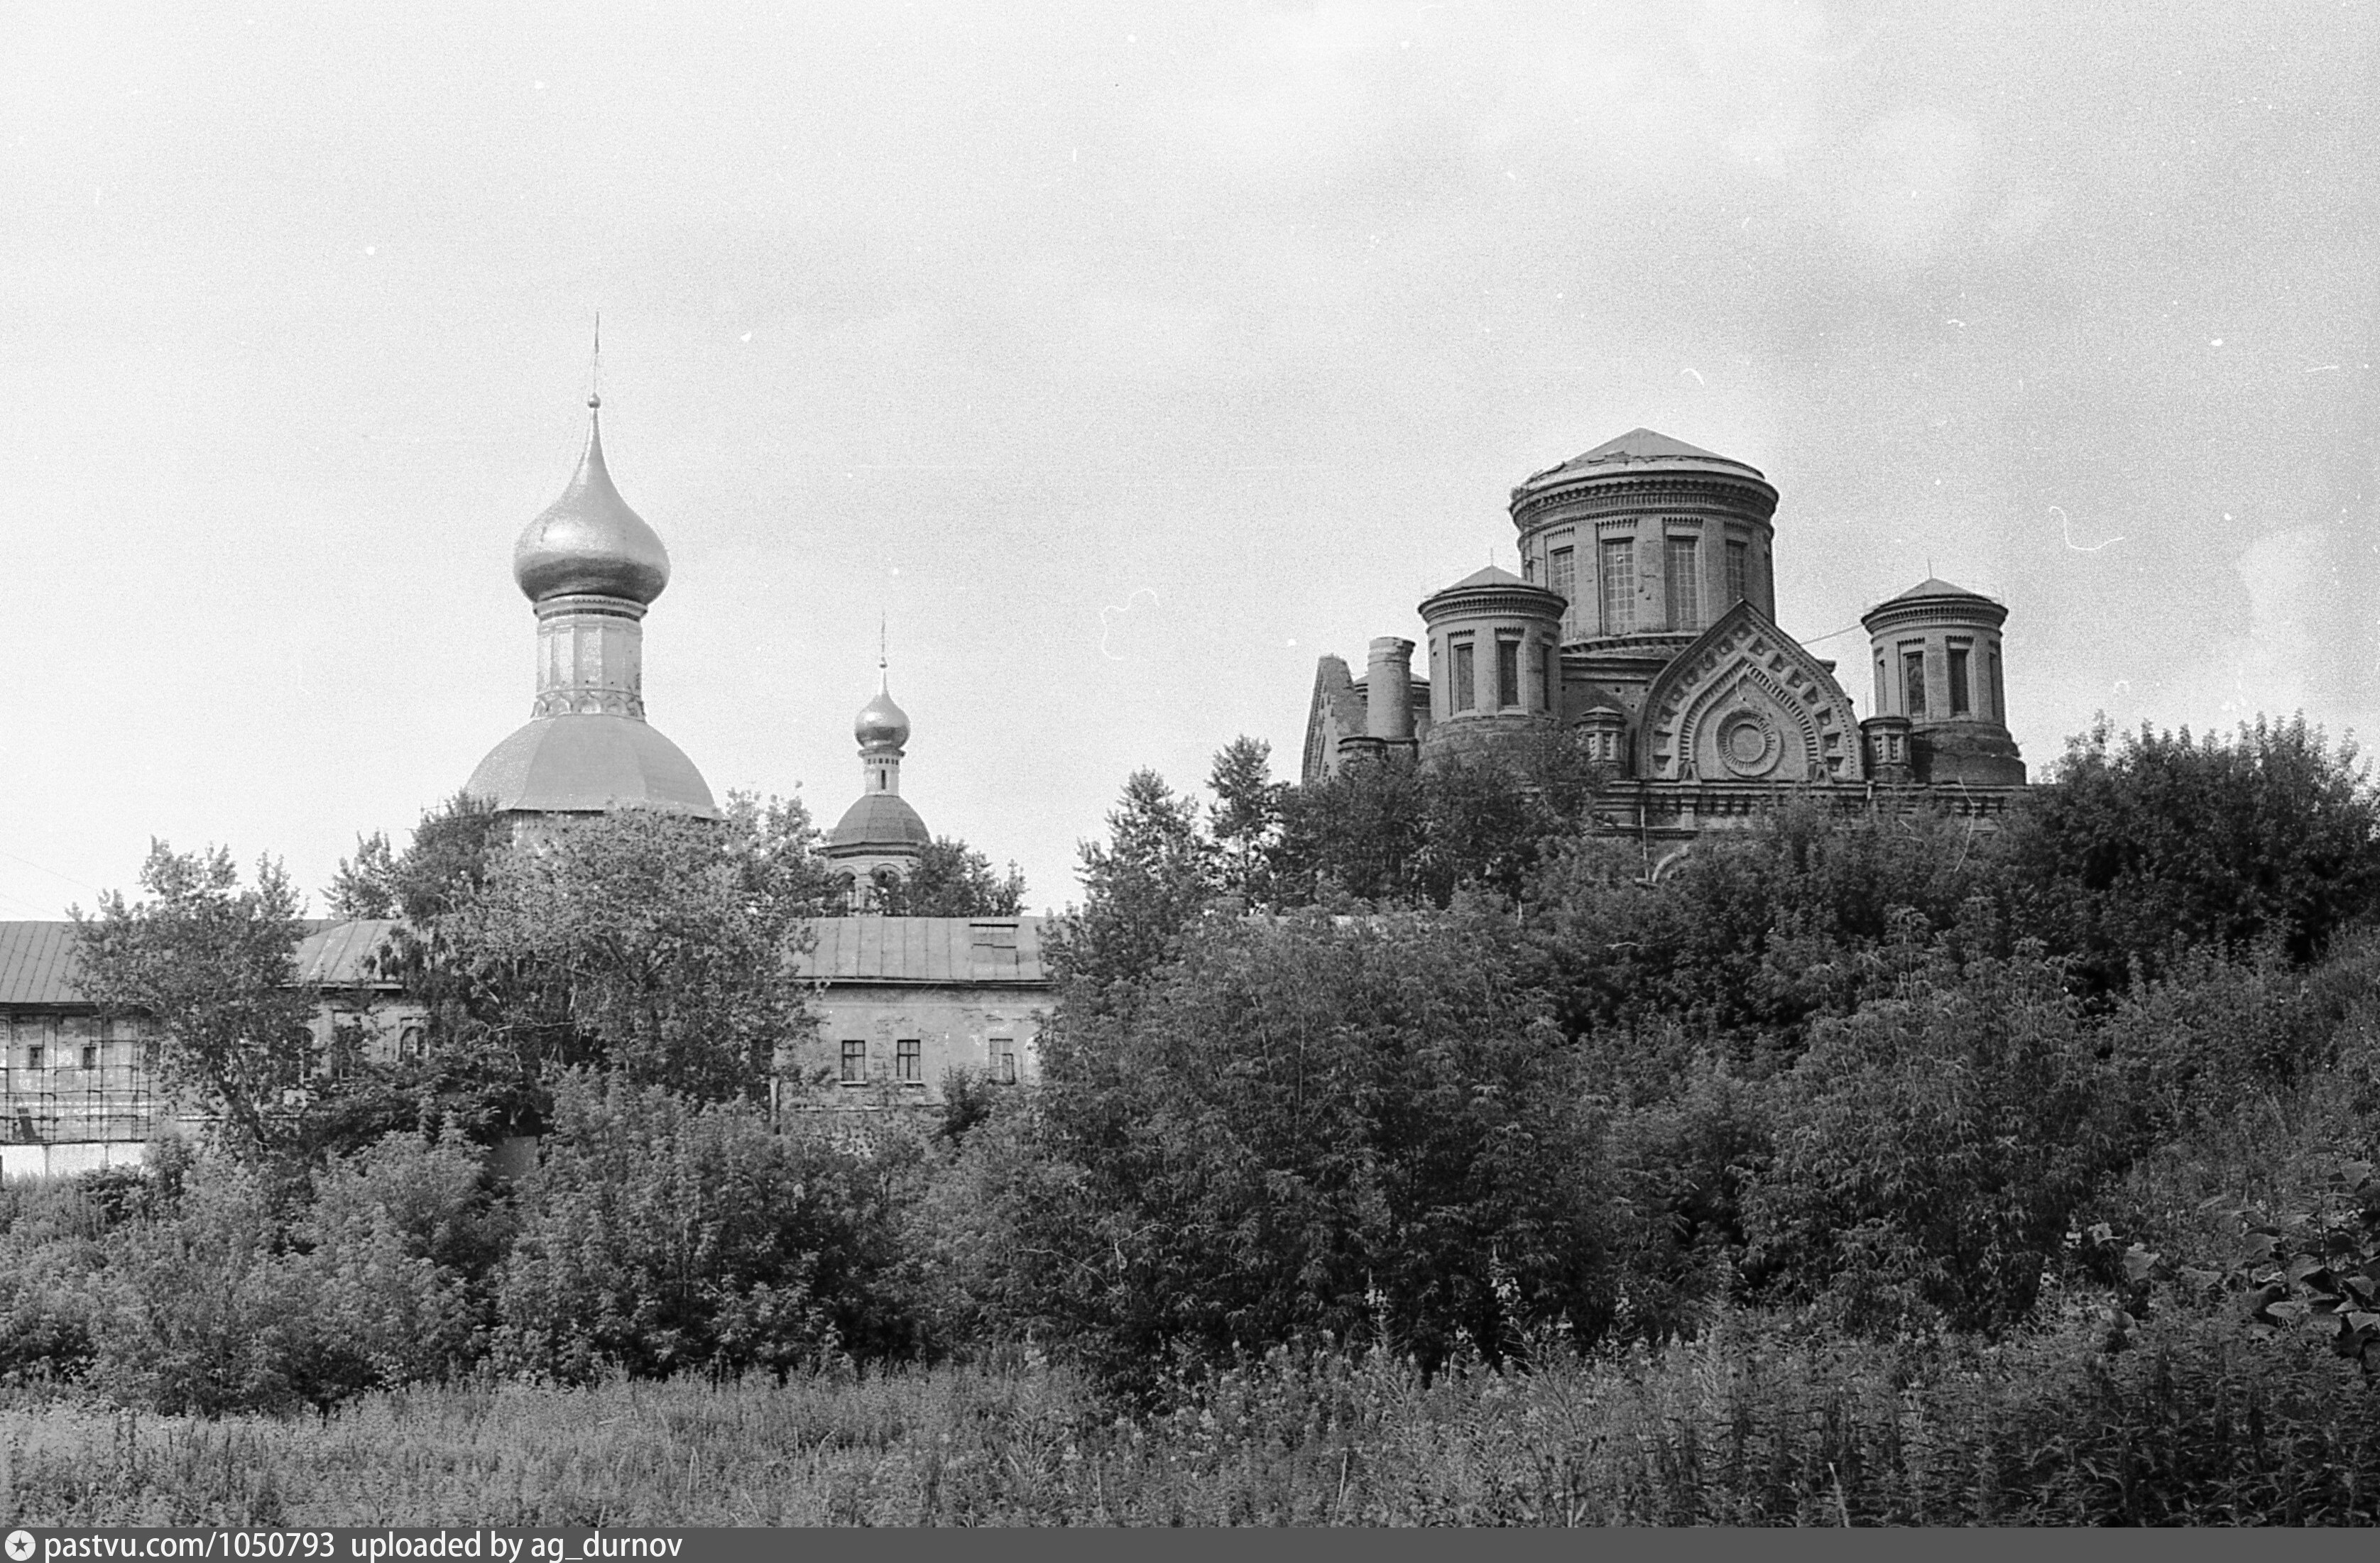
586	763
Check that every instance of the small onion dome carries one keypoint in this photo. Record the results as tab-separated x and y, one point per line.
589	540
882	725
879	821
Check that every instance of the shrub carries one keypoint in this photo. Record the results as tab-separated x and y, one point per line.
2153	840
662	1235
403	1244
204	1310
1932	1148
1753	935
1309	1124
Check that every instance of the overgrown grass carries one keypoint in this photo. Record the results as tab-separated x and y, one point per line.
1748	1425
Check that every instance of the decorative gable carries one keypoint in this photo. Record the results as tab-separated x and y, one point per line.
1746	703
1335	711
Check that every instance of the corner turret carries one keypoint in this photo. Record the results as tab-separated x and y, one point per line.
1942	716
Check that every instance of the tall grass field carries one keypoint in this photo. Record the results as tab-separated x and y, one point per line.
1742	1426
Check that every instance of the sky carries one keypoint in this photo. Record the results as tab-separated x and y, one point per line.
1120	360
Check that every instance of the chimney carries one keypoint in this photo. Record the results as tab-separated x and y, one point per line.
1388	691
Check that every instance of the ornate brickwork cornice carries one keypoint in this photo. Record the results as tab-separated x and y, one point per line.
1517	601
1738	499
1902	612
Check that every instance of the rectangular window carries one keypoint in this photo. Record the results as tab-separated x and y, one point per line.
1466	692
89	1056
1738	557
1999	696
908	1062
1683	584
1564	579
1508	673
33	1056
1003	1059
1913	683
1961	705
1618	586
855	1063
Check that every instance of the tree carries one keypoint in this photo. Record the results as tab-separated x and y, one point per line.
1930	1149
2153	841
1754	933
1152	878
365	885
1359	833
1395	832
952	879
1312	1124
1246	818
214	966
649	943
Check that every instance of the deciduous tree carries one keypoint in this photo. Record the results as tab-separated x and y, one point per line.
212	964
952	879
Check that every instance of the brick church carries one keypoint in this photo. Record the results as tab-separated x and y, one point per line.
1645	619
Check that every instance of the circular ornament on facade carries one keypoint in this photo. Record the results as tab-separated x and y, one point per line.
1748	745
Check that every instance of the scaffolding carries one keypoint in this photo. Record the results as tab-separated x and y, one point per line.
76	1091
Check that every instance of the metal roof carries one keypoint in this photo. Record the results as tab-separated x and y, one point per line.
878	819
585	763
337	955
928	950
36	959
1935	585
1640	449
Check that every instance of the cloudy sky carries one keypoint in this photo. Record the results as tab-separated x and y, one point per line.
1125	358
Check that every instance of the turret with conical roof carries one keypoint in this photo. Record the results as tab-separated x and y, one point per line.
593	566
1495	662
1941	715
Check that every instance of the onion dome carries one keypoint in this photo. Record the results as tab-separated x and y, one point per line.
588	542
881	725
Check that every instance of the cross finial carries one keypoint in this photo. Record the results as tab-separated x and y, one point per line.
595	366
884	636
